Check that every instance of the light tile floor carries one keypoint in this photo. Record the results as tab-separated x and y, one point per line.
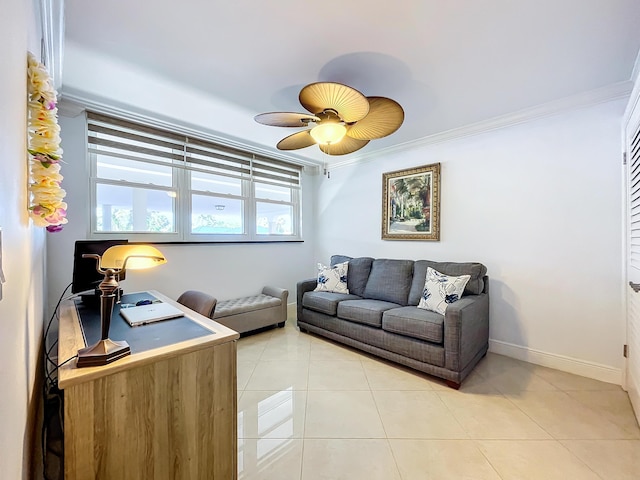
311	409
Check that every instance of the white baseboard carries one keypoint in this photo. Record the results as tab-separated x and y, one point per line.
559	362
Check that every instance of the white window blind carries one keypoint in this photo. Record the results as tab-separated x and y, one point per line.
634	198
165	186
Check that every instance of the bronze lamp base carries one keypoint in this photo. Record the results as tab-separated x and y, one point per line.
102	353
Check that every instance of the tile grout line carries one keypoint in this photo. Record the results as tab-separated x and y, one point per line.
579	459
495	469
306	411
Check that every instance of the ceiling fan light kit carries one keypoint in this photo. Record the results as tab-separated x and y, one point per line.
328	133
343	120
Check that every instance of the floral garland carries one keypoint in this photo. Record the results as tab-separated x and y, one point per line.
46	208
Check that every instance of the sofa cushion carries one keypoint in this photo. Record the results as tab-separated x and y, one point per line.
236	306
368	312
390	280
400	345
359	269
325	302
414	322
333	279
474	286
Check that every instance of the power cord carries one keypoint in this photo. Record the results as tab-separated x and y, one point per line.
50	380
53	426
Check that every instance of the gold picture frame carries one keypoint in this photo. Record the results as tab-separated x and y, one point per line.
411	204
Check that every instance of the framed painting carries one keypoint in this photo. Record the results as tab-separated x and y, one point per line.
411	204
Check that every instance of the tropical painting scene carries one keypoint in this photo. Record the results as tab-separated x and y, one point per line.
410	204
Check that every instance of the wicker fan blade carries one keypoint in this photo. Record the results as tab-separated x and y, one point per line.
385	117
297	140
350	104
285	119
344	146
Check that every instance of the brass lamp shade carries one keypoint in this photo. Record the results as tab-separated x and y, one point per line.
131	257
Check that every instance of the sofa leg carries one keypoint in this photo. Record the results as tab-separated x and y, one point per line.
281	325
452	384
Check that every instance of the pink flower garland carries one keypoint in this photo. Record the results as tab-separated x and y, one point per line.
47	208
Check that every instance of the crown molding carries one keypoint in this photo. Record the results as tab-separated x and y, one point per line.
615	91
634	99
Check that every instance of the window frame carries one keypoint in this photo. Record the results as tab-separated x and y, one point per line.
257	172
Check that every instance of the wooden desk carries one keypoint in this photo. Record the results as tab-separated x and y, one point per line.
167	413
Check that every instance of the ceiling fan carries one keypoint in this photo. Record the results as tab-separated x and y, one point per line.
342	119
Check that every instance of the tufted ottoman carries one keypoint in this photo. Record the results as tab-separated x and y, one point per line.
245	314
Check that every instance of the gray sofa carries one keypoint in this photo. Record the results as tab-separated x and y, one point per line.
379	315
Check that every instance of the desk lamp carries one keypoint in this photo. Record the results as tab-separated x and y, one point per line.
113	261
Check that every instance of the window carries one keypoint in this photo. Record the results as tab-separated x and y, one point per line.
156	185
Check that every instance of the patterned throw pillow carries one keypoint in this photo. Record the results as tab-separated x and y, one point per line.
332	279
440	290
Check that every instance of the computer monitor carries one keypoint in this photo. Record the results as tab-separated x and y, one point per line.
86	277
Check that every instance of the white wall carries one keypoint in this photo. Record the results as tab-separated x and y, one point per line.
223	270
21	311
540	205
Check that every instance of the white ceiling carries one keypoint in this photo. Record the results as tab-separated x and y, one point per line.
449	63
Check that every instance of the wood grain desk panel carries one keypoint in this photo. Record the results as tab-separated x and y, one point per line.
168	413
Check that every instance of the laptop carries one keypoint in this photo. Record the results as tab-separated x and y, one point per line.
153	312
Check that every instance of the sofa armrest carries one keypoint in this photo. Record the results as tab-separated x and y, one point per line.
282	294
303	287
466	330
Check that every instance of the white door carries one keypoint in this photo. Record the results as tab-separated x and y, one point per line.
632	149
